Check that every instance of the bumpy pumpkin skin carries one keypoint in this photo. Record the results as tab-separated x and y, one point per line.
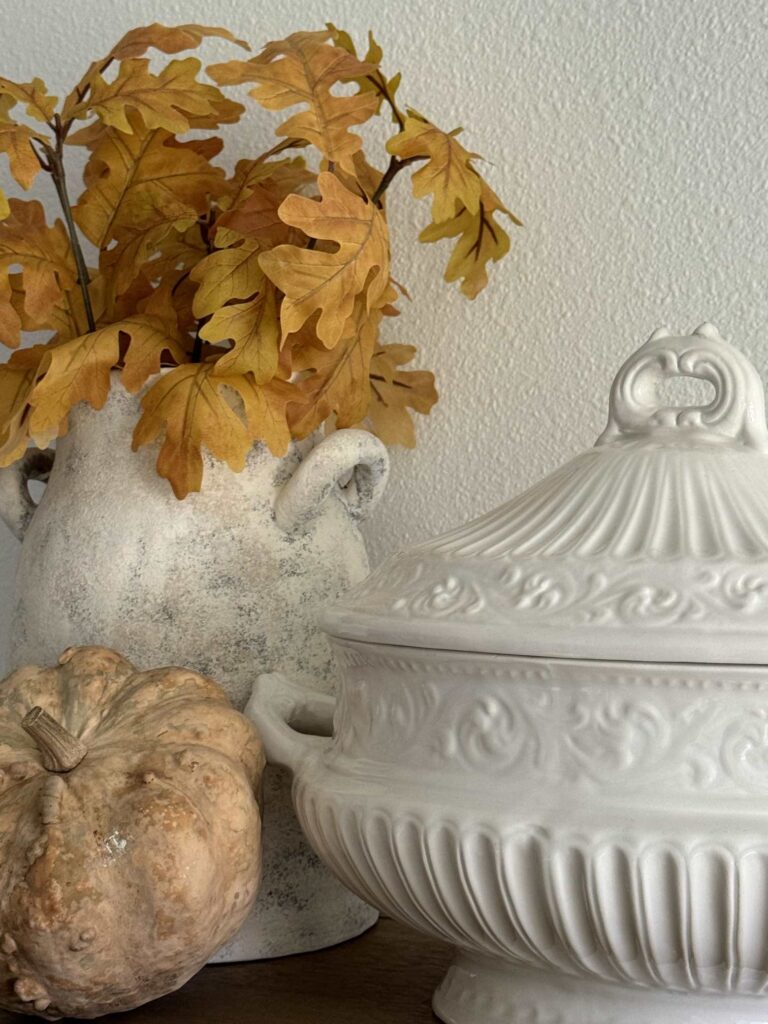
120	878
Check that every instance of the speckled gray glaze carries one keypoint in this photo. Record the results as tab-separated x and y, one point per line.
228	582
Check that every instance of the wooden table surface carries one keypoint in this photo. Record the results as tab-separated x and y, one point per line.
385	977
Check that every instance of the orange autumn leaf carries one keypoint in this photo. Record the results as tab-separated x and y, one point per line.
66	317
167	100
334	382
481	239
133	178
302	70
38	103
43	252
448	175
395	391
193	408
266	409
10	320
253	327
225	275
138	244
256	218
330	282
151	336
17	378
145	192
463	204
136	42
58	317
169	39
172	297
373	81
78	370
254	194
16	143
250	172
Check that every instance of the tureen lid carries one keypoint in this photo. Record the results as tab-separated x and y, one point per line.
651	546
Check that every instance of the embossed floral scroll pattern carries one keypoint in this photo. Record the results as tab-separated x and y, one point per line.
625	729
570	597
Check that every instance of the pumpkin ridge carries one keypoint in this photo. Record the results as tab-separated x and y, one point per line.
120	877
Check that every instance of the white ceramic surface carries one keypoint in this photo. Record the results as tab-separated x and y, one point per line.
227	582
558	821
652	545
591	834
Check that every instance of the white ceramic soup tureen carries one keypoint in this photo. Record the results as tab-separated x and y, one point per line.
550	746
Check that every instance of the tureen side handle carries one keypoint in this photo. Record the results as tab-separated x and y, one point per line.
17	505
279	708
344	452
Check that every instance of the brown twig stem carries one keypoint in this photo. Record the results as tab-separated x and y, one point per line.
395	166
55	156
383	90
197	348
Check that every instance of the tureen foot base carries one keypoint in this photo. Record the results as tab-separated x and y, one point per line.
478	990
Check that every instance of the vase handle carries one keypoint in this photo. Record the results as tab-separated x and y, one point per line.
16	503
343	452
287	715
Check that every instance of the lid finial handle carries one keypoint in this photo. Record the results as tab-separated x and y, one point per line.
736	415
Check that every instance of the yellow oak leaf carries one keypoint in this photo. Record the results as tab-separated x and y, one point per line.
193	408
139	243
5	209
78	370
10	320
373	81
226	274
172	296
246	174
169	39
181	251
256	217
151	337
44	253
301	70
448	175
16	142
330	282
67	316
136	42
250	172
131	179
253	328
395	391
223	111
38	104
480	239
335	382
366	177
17	378
166	100
255	191
265	408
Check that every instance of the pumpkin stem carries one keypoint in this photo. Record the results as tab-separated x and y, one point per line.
59	749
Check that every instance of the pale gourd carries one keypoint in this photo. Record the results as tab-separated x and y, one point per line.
129	831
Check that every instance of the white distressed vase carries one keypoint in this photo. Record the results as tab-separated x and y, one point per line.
227	582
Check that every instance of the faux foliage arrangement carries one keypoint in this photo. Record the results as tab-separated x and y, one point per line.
262	291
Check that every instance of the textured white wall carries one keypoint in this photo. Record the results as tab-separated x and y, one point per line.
629	136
